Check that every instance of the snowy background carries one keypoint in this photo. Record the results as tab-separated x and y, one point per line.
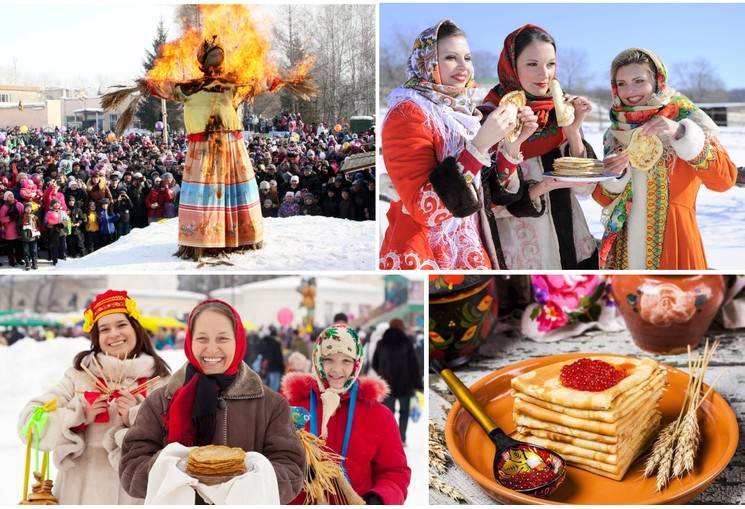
721	216
290	244
29	368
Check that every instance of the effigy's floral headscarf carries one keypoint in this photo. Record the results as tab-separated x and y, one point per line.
335	339
423	75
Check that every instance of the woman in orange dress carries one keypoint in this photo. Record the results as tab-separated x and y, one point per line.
650	216
434	149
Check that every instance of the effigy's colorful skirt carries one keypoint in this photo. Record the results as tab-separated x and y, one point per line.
219	205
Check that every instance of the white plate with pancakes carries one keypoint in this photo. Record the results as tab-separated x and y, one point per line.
599	177
474	453
579	169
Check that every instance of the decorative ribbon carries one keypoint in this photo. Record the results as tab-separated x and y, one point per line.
35	426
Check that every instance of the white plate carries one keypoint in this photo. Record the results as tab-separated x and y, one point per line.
580	178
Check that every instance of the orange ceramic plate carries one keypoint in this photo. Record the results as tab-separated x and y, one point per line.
474	453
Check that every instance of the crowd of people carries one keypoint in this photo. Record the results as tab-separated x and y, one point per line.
130	438
472	182
71	192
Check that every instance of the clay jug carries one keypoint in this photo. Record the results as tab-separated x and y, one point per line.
666	313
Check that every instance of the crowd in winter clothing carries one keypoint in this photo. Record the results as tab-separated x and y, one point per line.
87	189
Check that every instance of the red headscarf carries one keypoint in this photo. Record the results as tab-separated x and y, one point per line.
549	135
190	419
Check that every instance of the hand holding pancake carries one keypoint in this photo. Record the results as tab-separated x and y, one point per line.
662	126
494	129
582	108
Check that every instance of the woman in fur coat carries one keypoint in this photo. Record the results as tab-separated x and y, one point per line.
434	148
650	216
86	431
546	228
346	412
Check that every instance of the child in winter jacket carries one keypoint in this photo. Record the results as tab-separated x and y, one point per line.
268	209
86	431
75	239
55	223
123	210
91	227
106	220
310	207
28	226
345	412
288	208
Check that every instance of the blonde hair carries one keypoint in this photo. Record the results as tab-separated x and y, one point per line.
630	57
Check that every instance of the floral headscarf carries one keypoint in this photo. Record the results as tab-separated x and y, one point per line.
666	102
423	75
335	339
549	135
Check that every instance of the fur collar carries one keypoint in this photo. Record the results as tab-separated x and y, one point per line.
298	386
247	383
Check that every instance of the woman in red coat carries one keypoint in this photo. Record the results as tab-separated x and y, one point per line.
434	149
375	463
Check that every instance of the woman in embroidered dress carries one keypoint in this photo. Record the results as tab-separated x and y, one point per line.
345	412
650	216
219	208
86	431
546	228
434	150
215	398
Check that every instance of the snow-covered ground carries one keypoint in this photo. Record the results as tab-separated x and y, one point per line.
29	368
290	244
721	216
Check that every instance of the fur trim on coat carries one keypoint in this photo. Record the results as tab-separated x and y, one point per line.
456	194
297	386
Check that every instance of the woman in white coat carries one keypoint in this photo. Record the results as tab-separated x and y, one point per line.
97	401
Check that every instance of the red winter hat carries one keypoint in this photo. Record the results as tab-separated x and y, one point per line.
107	303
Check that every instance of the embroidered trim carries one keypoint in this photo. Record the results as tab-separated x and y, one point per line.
705	158
658	191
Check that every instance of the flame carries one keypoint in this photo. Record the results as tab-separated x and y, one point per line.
247	47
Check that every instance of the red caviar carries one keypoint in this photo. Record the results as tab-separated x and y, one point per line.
591	375
524	481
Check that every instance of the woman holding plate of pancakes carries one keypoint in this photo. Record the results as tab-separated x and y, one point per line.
546	228
435	148
663	148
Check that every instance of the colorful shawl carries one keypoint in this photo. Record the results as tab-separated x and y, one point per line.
423	75
549	135
664	102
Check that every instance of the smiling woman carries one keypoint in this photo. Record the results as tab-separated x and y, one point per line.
97	401
215	399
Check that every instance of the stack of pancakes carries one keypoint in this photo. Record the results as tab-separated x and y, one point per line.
216	461
577	167
601	432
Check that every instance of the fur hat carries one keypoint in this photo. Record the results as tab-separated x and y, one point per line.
298	362
9	194
264	185
294	178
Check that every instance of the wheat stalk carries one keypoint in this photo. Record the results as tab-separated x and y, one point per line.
674	450
446	489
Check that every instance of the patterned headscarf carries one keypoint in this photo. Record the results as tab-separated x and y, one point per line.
549	135
666	102
423	75
335	339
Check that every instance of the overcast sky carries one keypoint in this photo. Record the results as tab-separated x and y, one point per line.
677	32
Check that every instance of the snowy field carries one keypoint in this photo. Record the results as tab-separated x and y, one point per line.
29	368
721	216
290	244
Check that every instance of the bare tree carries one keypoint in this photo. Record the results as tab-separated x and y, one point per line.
572	70
699	80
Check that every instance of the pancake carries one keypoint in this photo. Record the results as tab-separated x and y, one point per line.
216	460
543	383
512	102
622	405
564	110
643	151
602	428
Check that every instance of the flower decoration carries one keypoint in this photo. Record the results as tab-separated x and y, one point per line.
565	299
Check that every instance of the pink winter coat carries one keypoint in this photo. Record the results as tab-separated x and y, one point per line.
376	462
11	230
